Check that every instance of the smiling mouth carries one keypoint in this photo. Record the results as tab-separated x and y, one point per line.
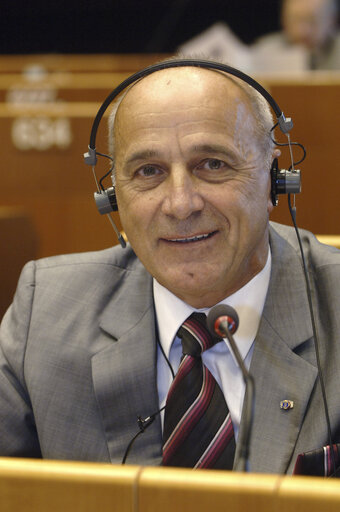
190	239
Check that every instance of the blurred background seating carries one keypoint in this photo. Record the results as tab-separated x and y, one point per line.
19	244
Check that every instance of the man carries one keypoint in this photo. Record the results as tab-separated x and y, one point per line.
79	354
309	38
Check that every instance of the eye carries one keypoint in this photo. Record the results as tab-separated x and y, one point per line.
148	171
212	164
214	170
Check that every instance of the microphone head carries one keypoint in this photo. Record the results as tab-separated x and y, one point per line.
222	315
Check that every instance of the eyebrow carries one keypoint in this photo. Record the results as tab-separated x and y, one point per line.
142	155
145	154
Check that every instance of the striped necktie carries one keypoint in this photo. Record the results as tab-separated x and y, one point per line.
198	432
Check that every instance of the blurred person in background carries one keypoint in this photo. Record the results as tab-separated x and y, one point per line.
309	38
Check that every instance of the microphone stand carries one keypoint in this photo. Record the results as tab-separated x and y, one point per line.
249	400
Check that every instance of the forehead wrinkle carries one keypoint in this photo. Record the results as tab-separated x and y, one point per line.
208	108
161	123
209	149
214	148
150	131
227	145
204	95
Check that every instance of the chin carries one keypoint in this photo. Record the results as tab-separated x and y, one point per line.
190	288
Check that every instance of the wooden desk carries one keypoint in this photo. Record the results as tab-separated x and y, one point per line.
77	63
54	486
170	489
21	90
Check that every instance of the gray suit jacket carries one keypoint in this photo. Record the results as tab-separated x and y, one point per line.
78	358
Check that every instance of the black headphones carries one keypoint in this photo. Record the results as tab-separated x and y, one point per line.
282	181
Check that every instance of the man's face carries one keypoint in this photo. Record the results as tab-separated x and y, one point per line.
192	190
308	22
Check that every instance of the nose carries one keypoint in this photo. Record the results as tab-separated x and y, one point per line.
182	197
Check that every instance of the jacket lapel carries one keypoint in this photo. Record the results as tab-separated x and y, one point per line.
283	363
124	372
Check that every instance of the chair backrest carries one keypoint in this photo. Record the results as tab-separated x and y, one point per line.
18	245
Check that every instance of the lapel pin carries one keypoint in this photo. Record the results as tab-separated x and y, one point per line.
286	404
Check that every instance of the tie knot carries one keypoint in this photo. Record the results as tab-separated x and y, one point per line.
195	335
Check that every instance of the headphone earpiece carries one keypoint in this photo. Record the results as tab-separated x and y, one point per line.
106	200
283	181
273	174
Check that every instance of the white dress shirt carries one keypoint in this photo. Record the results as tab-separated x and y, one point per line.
171	312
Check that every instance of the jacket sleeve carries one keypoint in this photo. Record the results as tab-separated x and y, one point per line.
18	435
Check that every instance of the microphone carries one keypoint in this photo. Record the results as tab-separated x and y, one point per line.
143	424
223	321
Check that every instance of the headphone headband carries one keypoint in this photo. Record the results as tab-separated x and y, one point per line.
285	124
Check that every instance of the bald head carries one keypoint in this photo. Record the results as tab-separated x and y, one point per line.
189	88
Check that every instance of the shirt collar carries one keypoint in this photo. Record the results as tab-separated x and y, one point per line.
249	301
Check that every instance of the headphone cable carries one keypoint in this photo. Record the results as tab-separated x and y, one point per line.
292	212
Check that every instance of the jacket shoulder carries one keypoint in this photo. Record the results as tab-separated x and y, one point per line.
112	257
316	253
88	276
